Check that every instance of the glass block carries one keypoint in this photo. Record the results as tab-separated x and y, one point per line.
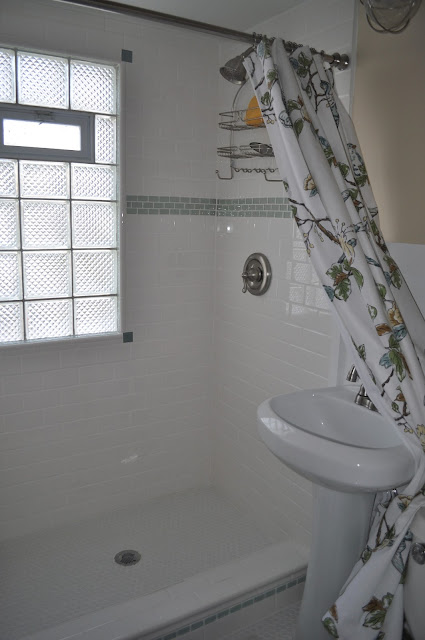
93	87
95	272
93	182
8	178
95	315
94	224
47	274
9	224
11	324
48	319
7	76
10	276
45	224
44	179
105	140
42	80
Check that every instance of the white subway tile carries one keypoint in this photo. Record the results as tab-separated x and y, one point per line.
105	424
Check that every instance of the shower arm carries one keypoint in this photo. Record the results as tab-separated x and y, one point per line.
340	61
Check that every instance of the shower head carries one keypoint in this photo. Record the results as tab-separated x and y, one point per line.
233	70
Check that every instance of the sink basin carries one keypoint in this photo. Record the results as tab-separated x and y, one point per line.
324	436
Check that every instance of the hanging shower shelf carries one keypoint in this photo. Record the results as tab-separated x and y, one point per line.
234	170
246	120
252	150
238	120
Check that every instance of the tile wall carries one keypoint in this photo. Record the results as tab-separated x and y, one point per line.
88	426
92	425
285	340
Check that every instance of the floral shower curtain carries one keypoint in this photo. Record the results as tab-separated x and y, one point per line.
326	182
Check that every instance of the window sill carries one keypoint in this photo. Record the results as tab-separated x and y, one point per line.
115	337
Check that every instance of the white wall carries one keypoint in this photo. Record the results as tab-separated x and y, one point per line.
86	427
283	341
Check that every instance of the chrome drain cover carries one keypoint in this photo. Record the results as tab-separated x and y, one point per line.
127	558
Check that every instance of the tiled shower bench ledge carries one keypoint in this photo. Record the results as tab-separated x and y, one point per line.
205	606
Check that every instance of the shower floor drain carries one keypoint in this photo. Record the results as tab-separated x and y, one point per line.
127	558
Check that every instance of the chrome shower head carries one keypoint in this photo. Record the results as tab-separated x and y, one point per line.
233	70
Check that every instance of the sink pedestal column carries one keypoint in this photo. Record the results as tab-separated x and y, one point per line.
340	529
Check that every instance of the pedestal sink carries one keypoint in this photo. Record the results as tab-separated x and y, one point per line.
349	453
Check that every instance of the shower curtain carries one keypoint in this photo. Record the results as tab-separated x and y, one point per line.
326	182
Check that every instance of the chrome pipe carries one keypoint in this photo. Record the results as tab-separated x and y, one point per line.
341	61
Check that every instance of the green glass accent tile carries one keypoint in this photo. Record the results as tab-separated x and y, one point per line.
223	614
210	619
281	588
196	625
153	212
247	603
183	631
170	636
259	597
232	207
292	584
301	580
269	594
237	607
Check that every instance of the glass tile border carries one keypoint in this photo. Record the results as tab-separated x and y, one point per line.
234	608
231	207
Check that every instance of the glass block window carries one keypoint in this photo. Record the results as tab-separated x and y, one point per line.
59	250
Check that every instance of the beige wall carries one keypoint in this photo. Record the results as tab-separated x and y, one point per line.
388	112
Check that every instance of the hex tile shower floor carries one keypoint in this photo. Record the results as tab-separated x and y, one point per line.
67	572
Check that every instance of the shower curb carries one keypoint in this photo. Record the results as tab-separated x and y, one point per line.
216	615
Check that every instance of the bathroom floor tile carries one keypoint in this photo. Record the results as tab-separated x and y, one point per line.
64	573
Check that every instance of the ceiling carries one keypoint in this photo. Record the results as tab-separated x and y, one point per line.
234	14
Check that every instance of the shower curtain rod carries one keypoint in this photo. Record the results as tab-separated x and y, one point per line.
338	60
